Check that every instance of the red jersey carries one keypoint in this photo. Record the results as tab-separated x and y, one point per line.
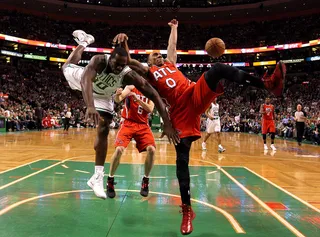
269	112
133	111
169	81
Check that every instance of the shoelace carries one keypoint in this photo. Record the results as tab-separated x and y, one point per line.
186	212
99	178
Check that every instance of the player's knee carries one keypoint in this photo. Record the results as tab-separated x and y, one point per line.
103	130
213	76
119	150
264	136
151	150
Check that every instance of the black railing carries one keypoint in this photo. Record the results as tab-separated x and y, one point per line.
163	3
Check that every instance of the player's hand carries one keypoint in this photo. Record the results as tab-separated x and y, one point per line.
134	95
173	23
211	117
119	38
92	113
119	91
171	133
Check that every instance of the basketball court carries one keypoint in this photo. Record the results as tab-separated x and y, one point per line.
244	191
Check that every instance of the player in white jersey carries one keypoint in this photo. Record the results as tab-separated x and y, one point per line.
213	125
98	81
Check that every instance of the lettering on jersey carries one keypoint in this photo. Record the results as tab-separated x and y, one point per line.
103	82
161	72
268	111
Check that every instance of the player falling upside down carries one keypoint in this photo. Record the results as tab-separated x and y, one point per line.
213	125
268	123
188	100
98	81
135	125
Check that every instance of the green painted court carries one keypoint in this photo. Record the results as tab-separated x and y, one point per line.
51	198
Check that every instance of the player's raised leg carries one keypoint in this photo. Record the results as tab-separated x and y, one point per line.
208	86
83	39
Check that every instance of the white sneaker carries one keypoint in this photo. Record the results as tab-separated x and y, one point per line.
204	146
221	149
81	36
266	147
96	183
273	147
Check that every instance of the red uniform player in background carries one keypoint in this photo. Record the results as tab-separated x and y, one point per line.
135	125
268	123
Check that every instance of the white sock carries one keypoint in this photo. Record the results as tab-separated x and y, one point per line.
99	169
220	146
84	44
111	176
146	176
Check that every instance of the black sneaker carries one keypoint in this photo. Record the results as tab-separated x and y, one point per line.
144	187
110	188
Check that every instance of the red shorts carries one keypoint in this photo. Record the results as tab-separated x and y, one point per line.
185	114
268	126
140	132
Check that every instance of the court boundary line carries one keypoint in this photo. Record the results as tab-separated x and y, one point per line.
35	173
259	201
284	190
19	166
232	220
128	163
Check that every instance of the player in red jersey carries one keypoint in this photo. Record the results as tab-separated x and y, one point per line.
135	125
268	123
188	100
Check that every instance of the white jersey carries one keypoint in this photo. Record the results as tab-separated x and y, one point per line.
105	84
214	111
214	125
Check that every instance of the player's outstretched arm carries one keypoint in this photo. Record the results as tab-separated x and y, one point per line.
88	76
133	78
172	43
122	94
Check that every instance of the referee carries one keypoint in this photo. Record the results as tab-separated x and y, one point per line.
300	118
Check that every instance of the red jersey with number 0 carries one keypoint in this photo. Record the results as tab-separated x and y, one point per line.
269	111
133	111
169	81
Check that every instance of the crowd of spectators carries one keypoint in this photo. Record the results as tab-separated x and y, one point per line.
30	86
191	36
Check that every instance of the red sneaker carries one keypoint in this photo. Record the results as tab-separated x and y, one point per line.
111	193
187	217
144	191
275	82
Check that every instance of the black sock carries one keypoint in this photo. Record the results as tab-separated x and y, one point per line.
221	71
264	136
183	175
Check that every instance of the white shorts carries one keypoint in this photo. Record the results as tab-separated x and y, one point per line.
213	125
73	75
